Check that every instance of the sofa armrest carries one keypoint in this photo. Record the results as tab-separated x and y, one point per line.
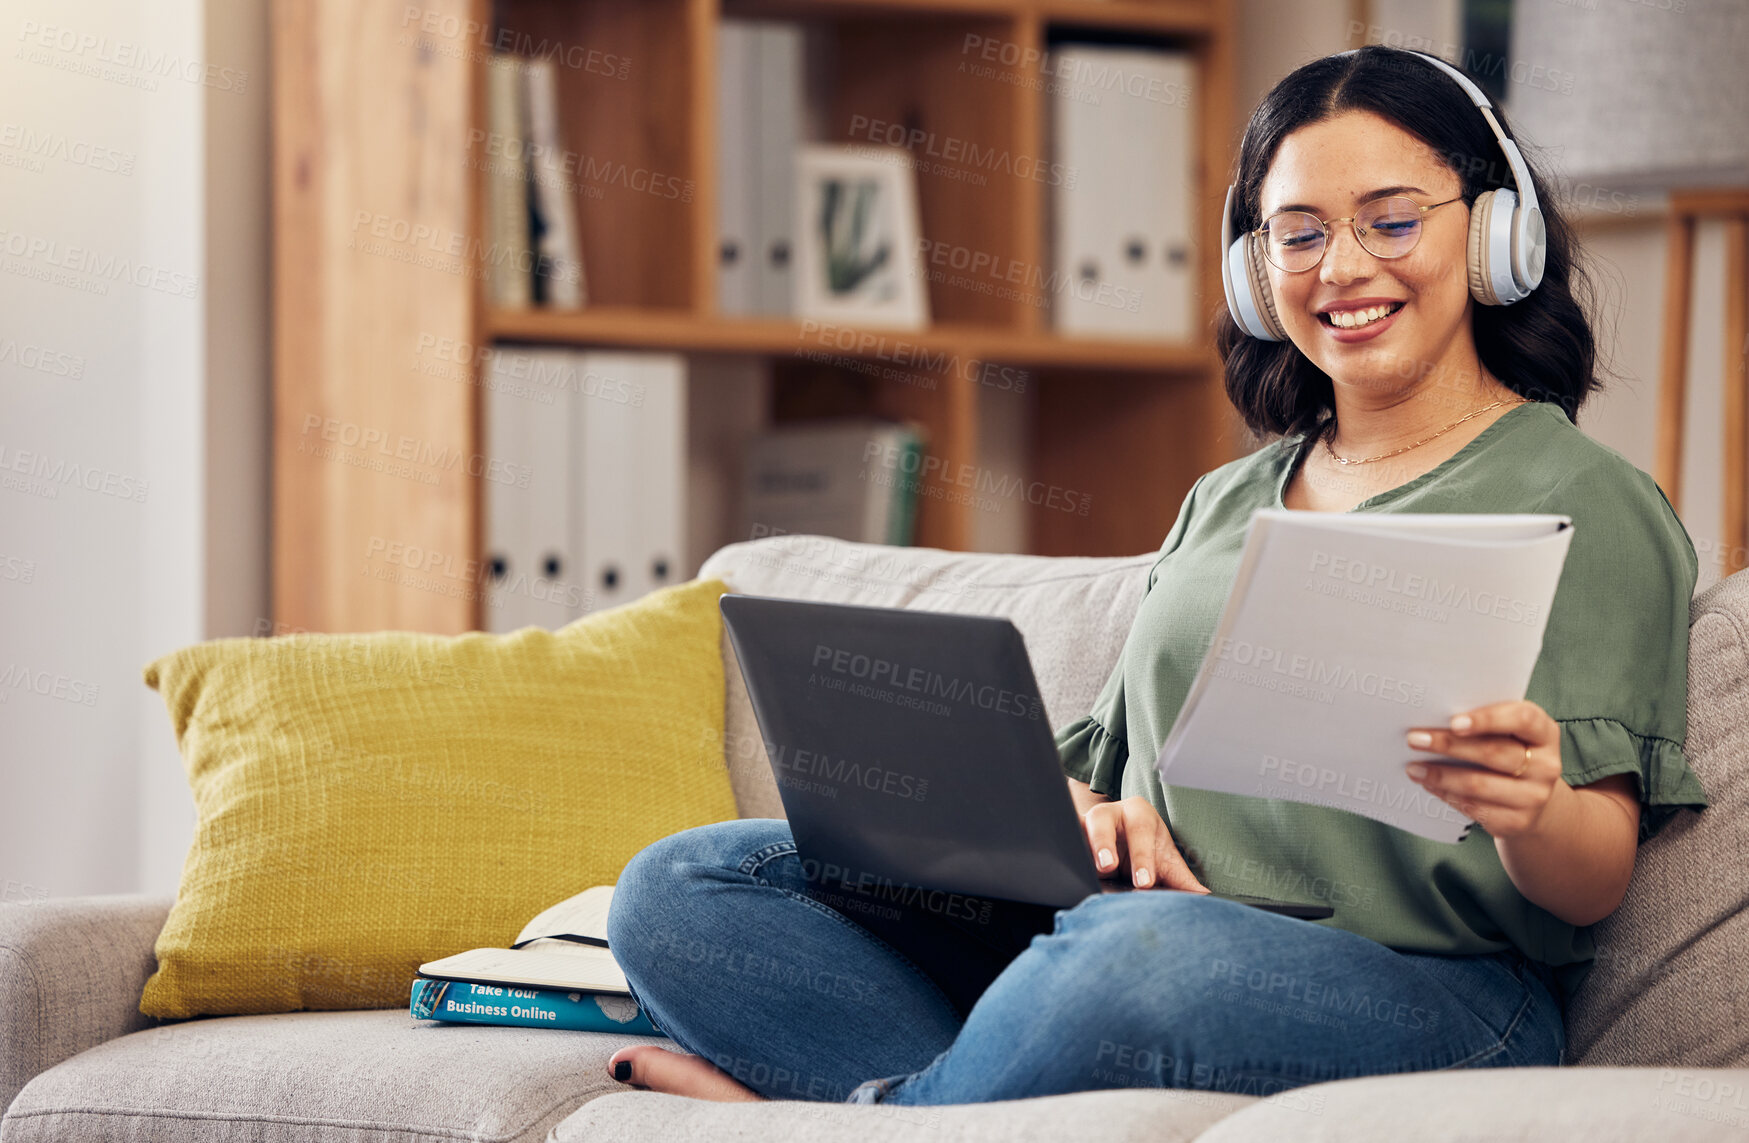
71	974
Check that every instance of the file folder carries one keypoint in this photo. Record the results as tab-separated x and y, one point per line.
1125	211
737	147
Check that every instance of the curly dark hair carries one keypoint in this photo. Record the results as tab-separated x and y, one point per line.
1541	347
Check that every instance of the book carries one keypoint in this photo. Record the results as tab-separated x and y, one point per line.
852	479
1343	631
509	265
902	513
559	973
457	1002
558	269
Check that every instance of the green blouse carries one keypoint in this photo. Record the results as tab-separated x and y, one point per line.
1613	672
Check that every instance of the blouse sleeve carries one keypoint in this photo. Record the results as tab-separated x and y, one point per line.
1614	666
1093	749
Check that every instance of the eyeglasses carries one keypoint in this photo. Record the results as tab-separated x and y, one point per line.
1295	240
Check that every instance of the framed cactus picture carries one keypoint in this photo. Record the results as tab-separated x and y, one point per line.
857	237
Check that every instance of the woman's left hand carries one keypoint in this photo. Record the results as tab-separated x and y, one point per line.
1520	746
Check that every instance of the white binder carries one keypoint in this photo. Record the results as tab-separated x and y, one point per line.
628	473
779	101
585	493
660	539
1124	215
503	434
531	573
737	148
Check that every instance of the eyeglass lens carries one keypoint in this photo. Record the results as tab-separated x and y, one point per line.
1294	240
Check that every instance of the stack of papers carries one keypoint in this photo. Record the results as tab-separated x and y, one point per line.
1341	633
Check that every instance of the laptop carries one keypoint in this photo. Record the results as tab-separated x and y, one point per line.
911	748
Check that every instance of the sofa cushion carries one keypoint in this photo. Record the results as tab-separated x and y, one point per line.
1667	986
334	1077
1502	1105
1073	611
371	802
1098	1117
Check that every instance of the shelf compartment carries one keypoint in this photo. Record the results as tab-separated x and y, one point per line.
1121	442
941	400
911	86
627	75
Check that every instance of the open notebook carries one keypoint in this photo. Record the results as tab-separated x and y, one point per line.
565	948
1341	632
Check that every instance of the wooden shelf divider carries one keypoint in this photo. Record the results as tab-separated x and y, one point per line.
680	331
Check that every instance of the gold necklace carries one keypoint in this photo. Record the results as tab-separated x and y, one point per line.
1417	444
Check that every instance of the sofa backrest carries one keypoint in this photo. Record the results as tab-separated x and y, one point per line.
1669	986
1073	612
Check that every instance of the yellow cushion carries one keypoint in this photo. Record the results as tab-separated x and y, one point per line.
370	802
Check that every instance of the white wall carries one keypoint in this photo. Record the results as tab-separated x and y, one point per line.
1275	37
154	339
1629	259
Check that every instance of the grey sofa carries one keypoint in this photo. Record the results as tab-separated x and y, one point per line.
1660	1032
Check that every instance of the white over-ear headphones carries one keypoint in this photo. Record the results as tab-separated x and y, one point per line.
1507	243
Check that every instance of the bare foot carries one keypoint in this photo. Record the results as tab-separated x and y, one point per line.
650	1068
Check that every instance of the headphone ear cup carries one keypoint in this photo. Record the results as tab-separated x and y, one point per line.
1260	289
1476	261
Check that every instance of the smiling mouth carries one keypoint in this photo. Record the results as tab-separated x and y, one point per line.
1359	319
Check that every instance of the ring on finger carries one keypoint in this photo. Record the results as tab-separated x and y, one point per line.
1525	765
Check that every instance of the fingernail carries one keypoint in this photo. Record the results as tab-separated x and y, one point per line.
622	1071
1143	877
1416	770
1420	738
1105	858
1460	722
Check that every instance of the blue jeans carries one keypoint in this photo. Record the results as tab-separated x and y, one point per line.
744	954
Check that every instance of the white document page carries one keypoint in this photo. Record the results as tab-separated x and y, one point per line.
1341	633
584	915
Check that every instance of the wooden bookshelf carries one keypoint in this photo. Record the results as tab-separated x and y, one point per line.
378	113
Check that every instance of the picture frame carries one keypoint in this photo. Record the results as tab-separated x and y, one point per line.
857	231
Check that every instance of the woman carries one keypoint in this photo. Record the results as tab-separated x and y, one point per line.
1390	390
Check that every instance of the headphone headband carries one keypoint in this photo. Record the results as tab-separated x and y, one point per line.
1514	160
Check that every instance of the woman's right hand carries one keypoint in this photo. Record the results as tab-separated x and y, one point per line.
1129	840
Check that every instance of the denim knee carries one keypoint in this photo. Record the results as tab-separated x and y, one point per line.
661	885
